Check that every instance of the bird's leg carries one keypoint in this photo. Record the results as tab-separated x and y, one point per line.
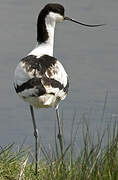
36	139
59	131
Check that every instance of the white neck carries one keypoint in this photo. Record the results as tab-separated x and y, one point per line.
47	46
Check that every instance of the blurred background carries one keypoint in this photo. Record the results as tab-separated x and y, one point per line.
89	55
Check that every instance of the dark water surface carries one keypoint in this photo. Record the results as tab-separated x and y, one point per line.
90	57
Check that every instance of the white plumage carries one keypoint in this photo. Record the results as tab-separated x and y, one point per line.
53	94
54	79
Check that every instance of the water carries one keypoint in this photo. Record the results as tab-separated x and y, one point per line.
90	56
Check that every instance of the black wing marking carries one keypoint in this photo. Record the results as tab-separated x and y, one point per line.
43	65
66	87
32	83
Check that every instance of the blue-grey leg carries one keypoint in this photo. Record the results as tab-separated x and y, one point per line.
59	131
36	139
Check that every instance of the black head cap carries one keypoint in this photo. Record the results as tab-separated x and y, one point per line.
42	34
56	8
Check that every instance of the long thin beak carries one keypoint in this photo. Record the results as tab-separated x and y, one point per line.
83	24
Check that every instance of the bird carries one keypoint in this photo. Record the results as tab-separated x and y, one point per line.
39	78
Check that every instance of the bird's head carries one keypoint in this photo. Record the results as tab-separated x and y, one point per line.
56	13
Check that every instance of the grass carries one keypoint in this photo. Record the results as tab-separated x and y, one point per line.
93	161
